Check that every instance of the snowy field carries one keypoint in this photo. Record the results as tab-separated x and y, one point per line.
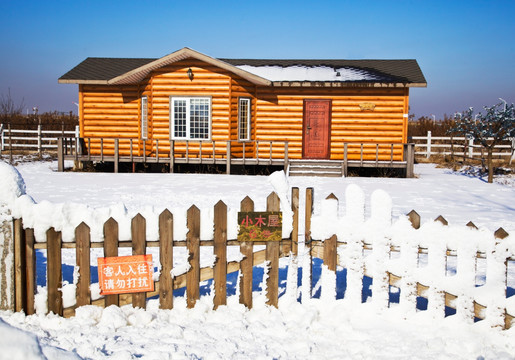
315	329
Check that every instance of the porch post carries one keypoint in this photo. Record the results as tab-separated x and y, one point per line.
286	157
228	158
116	155
172	155
345	160
410	159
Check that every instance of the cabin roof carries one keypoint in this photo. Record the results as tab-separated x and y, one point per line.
267	72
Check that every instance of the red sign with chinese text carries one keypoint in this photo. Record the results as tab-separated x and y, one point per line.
125	274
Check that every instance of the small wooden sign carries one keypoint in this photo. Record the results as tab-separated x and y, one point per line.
260	226
125	274
367	106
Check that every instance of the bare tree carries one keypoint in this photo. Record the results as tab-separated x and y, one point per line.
8	106
496	125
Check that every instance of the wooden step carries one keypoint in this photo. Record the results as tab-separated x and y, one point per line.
323	168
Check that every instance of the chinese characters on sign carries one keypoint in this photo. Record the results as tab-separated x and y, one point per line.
125	274
260	226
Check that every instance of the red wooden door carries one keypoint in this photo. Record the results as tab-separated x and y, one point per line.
316	136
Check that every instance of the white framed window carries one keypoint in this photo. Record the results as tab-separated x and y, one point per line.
144	117
190	118
244	123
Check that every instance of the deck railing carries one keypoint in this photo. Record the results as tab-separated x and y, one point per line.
225	152
214	152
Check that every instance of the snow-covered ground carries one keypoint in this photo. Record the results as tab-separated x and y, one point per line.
314	329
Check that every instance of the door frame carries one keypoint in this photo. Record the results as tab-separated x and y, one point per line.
329	123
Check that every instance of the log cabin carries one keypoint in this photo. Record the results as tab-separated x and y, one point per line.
310	116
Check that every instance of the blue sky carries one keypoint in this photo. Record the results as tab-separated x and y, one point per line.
466	49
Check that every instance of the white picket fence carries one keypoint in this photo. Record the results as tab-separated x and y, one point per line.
452	266
460	146
38	139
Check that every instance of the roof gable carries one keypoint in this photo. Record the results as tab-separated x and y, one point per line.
266	72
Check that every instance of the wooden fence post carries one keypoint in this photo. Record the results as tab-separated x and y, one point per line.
20	296
30	256
139	247
39	139
83	245
295	231
246	264
414	218
10	144
1	138
193	245
428	147
54	272
500	234
308	211
272	256
220	251
166	257
111	250
330	254
60	155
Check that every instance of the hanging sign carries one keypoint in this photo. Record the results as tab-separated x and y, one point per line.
260	226
367	106
125	274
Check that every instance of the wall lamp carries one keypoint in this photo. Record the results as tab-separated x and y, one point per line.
190	74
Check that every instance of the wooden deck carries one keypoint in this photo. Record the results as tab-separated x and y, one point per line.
229	153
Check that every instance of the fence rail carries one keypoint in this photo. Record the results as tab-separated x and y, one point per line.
361	259
25	261
38	139
429	145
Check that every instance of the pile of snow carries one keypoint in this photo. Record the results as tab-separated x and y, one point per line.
12	188
13	185
18	344
313	330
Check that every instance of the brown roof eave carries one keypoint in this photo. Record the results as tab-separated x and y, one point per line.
86	82
138	74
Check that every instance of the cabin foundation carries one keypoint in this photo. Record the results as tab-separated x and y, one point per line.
69	149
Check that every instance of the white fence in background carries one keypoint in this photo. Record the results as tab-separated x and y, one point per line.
459	146
39	139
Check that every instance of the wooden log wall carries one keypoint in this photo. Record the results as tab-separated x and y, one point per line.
276	112
280	114
242	88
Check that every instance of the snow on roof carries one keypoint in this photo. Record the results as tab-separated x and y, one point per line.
314	73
